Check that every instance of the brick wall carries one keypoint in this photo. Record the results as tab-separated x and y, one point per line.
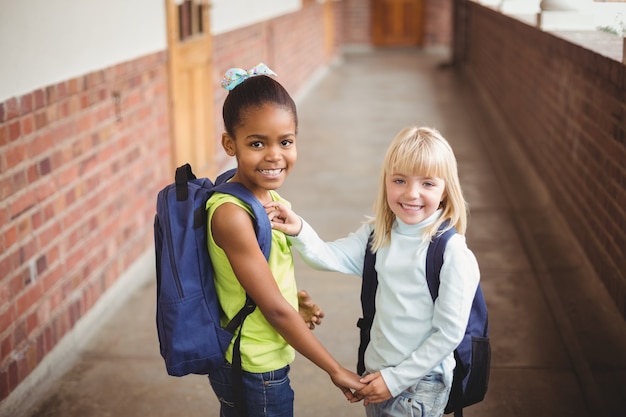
80	164
437	22
566	106
357	21
292	45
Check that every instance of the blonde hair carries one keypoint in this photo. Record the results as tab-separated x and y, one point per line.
420	151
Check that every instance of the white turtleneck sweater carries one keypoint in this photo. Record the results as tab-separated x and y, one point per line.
410	336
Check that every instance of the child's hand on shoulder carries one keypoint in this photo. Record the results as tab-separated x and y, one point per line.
283	218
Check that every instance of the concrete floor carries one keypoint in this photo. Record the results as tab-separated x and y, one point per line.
559	345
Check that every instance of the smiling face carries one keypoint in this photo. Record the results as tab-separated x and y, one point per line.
413	198
265	148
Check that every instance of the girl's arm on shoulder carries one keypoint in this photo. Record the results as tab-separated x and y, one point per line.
233	231
342	255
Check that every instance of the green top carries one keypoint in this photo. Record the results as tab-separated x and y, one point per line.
263	349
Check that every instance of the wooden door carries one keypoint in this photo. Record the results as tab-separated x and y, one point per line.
397	22
191	87
329	29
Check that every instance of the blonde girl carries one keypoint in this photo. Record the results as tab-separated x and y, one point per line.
409	361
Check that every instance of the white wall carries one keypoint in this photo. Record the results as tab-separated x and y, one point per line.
43	42
227	15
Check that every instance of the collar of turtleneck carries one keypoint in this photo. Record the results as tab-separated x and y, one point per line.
416	229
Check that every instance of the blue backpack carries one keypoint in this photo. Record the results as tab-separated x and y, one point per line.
473	355
187	310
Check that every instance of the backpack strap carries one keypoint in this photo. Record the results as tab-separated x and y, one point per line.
237	370
225	176
183	175
434	258
262	225
263	231
368	304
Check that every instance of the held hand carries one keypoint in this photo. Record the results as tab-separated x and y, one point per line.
375	391
310	312
348	383
283	218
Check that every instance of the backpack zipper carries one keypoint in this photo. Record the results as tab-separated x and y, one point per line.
179	286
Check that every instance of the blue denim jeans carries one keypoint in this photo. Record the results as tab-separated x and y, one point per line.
267	394
427	398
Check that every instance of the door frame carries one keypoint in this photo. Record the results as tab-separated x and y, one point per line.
191	89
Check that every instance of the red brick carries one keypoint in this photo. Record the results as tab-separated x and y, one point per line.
4	134
7	317
52	112
32	322
19	332
63	110
51	95
52	258
32	175
41	264
74	105
87	165
25	201
48	342
20	180
43	313
40	144
4	215
62	90
5	389
14	155
13	375
7	264
44	167
28	299
49	234
27	125
9	237
26	104
15	130
39	99
75	312
76	256
6	344
73	86
41	119
11	108
52	277
68	175
84	101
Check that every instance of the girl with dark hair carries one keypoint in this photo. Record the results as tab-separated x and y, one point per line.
260	122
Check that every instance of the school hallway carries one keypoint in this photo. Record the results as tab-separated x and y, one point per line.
558	342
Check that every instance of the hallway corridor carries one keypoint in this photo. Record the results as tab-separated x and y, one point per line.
558	342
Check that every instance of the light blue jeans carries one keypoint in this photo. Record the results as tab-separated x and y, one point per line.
268	394
427	398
